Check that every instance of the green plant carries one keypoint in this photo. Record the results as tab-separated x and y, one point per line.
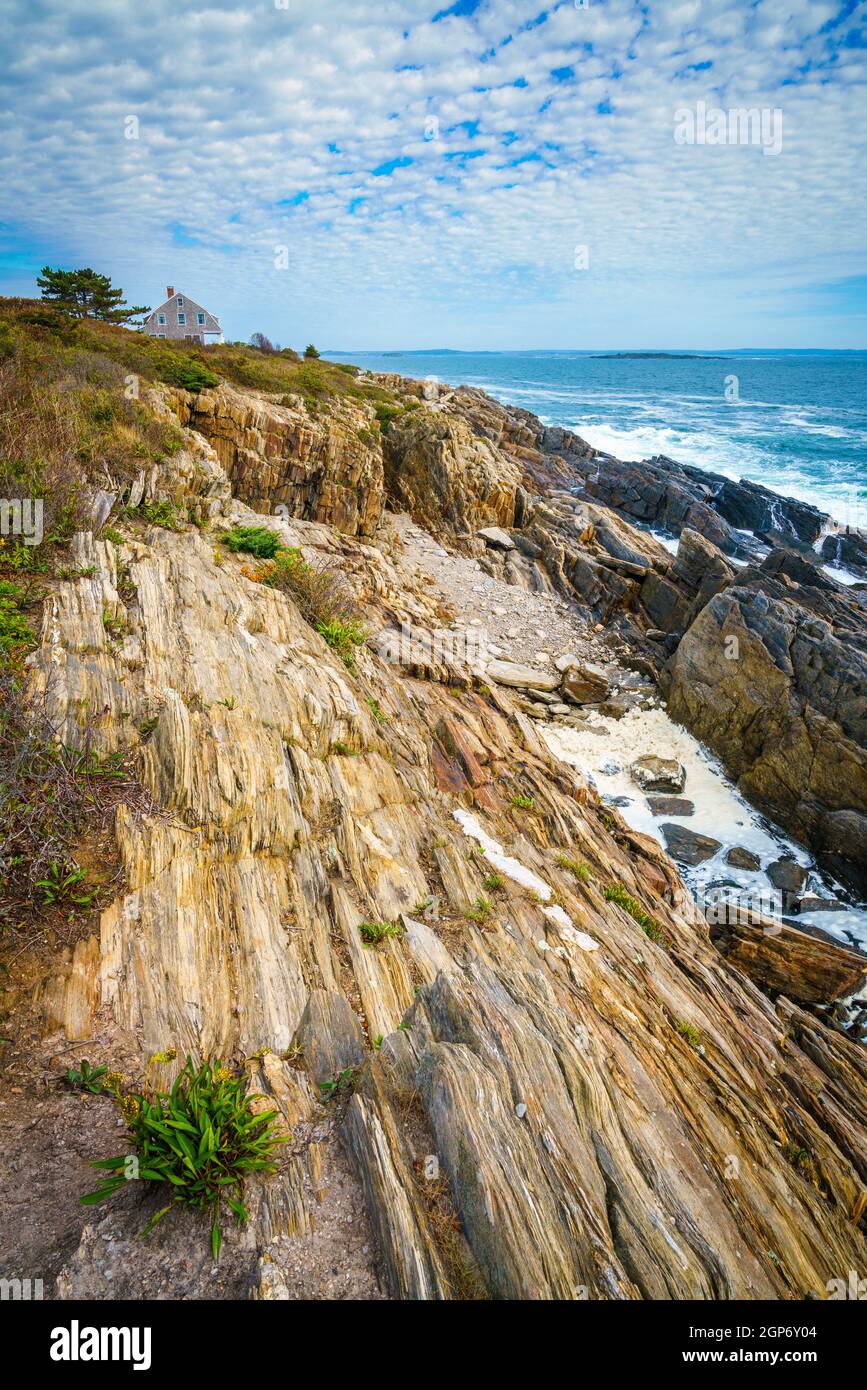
691	1034
87	1078
254	540
481	912
343	635
343	750
422	906
523	803
373	706
109	534
15	631
189	375
372	933
61	885
344	1082
581	871
163	514
228	703
203	1138
493	882
114	624
616	893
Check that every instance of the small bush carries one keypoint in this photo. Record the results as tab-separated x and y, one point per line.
691	1034
493	882
319	593
163	514
15	631
523	803
202	1139
372	933
343	636
481	912
253	540
189	375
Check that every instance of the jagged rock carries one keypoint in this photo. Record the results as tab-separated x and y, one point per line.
664	604
687	846
330	1036
741	858
847	548
798	965
246	893
327	468
584	684
671	806
498	538
654	774
515	673
771	676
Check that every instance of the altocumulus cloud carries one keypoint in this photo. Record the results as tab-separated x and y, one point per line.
431	169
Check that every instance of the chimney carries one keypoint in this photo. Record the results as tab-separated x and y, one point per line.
170	291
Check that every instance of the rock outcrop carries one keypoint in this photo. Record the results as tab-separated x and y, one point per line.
586	1093
773	677
326	467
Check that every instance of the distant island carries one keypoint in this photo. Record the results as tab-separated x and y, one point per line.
691	356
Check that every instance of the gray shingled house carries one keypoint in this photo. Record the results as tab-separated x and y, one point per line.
182	317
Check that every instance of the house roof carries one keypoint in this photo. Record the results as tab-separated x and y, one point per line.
189	306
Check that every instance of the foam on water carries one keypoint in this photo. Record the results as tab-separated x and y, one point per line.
604	749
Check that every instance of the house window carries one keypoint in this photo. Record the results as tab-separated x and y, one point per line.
200	318
180	301
161	318
182	318
161	335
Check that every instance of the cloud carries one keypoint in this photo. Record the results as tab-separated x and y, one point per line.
431	169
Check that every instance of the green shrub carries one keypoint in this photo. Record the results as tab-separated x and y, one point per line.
254	540
372	933
616	893
523	803
189	375
343	636
691	1034
202	1139
15	631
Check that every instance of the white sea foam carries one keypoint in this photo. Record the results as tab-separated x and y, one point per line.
604	750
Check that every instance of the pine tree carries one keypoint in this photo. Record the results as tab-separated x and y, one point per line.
87	294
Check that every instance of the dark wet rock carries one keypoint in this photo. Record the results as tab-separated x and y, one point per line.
671	806
741	858
664	604
751	507
772	676
653	774
687	846
787	875
848	548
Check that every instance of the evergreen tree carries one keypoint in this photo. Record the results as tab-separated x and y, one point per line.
87	294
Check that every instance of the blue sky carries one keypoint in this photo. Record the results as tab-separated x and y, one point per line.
430	169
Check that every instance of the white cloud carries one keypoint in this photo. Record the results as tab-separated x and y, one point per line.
243	107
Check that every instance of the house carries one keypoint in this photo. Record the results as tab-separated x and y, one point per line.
182	317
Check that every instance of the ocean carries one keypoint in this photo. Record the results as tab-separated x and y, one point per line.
794	421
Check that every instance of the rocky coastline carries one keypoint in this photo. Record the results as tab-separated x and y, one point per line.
516	1056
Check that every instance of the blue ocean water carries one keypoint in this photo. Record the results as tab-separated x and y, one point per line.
797	422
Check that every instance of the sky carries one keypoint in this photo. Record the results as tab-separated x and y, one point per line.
370	174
